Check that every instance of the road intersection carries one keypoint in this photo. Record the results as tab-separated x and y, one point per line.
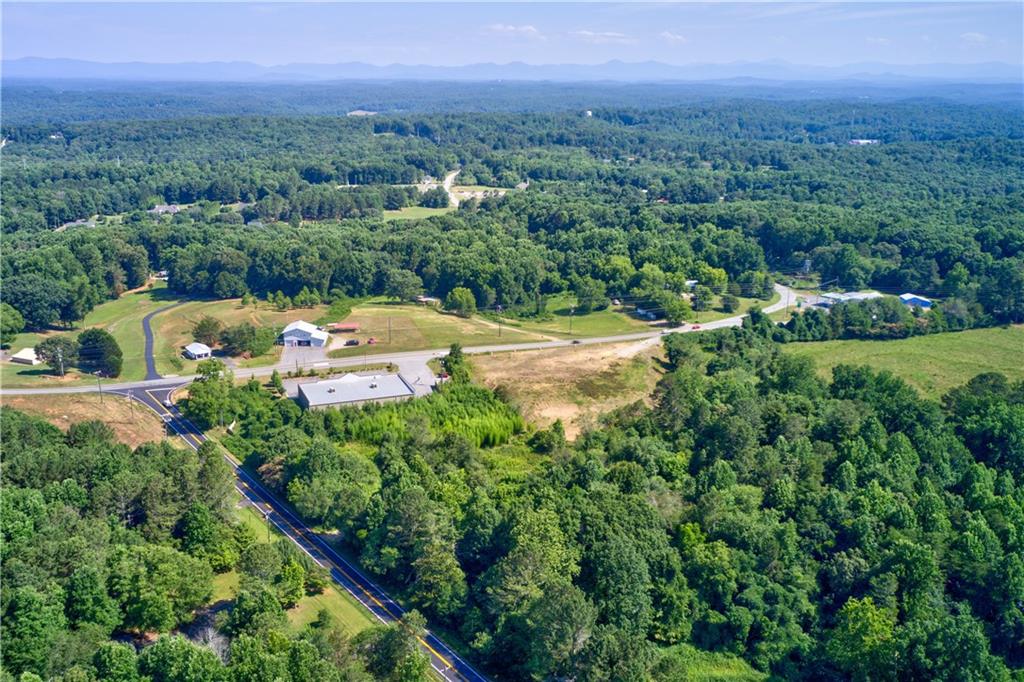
156	393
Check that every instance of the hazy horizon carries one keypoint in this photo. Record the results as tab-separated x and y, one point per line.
273	34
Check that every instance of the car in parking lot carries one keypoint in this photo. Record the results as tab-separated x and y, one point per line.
352	342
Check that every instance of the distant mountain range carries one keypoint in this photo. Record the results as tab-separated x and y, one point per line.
74	69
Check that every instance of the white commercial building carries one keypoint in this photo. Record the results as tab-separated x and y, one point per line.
300	333
833	298
354	389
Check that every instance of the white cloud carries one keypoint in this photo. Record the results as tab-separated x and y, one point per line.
672	37
524	31
878	40
603	37
974	38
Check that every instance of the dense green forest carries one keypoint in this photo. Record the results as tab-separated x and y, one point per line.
106	549
818	530
754	518
67	101
627	202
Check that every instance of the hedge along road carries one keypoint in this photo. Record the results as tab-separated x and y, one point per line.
418	358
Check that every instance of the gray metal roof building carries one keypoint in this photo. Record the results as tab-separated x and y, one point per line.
353	389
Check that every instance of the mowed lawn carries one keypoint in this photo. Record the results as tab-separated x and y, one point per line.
716	312
932	364
612	320
418	328
121	317
560	317
173	329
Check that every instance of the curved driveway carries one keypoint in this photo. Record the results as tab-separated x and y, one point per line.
147	331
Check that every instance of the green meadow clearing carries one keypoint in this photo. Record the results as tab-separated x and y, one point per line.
931	364
416	213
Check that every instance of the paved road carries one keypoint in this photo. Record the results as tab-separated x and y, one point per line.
416	357
147	331
444	661
155	393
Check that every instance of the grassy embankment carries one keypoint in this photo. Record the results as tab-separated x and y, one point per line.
132	423
931	364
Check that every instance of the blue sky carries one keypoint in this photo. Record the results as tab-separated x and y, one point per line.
451	34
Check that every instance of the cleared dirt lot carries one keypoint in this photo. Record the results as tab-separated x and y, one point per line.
575	384
131	427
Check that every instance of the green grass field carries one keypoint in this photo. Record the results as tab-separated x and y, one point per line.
121	317
932	364
598	323
612	320
684	662
416	213
716	312
419	327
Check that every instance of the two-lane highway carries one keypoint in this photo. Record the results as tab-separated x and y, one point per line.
155	392
443	659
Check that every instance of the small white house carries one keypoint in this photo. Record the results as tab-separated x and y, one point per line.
913	300
300	333
197	351
25	356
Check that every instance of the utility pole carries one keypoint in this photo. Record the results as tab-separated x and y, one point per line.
389	331
572	312
99	386
499	327
60	358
